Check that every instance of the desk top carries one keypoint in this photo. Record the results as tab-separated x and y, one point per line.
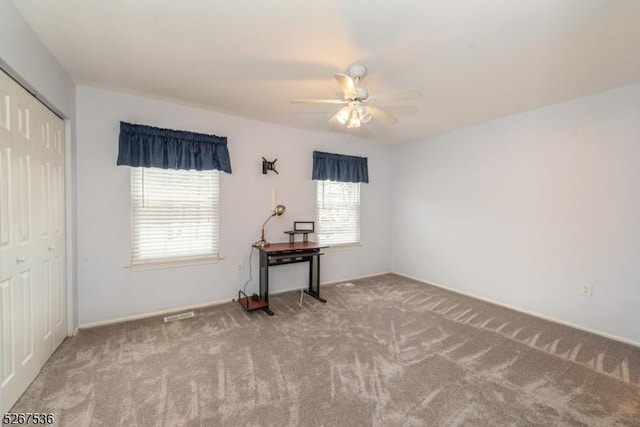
279	247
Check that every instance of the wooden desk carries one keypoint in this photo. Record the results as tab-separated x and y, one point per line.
280	254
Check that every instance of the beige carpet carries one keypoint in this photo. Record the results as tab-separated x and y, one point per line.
386	351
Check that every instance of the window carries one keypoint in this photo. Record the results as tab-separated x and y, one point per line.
338	212
174	215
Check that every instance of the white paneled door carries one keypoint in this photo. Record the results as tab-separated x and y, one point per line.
32	238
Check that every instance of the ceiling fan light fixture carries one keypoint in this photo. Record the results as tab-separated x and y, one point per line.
343	115
365	115
354	119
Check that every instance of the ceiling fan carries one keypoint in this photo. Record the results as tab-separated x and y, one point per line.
359	107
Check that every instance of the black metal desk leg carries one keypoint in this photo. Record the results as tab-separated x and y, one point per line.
314	278
264	281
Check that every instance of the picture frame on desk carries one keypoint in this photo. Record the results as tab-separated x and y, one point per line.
308	226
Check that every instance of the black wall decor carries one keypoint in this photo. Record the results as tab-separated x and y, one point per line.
268	166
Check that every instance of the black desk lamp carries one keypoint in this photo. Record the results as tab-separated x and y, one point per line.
279	210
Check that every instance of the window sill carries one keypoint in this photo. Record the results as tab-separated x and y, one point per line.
154	265
343	247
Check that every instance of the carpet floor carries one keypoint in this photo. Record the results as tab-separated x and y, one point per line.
383	351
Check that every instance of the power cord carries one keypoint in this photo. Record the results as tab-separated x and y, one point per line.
244	288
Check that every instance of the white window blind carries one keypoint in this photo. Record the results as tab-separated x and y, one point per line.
338	212
174	215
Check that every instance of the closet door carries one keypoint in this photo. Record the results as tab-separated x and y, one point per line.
56	241
32	245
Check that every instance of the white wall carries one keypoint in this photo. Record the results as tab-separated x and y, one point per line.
26	59
108	290
30	61
524	209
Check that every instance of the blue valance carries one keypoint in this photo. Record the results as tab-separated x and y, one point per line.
151	147
338	167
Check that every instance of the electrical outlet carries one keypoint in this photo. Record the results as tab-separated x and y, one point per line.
586	289
239	268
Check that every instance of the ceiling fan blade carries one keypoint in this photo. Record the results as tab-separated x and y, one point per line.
399	95
382	116
347	85
319	101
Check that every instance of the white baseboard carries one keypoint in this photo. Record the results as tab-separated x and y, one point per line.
153	314
330	283
521	310
349	279
208	304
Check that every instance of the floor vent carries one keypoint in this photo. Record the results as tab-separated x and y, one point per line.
346	285
180	316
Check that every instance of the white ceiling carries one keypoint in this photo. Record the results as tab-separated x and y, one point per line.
474	60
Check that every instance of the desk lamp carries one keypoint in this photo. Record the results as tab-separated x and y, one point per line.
279	210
